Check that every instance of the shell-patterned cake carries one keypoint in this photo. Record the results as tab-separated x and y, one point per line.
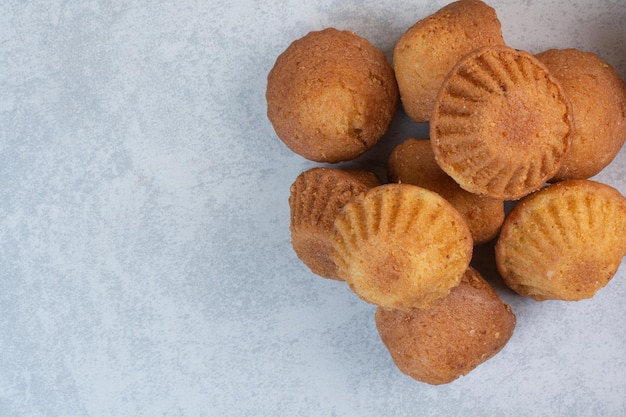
316	197
428	50
563	242
598	97
438	344
502	123
413	162
401	246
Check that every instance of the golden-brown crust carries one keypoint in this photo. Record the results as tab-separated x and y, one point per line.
438	344
331	95
315	198
413	162
563	242
401	246
502	124
428	50
598	97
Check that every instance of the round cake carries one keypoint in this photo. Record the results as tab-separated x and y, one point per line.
502	124
564	242
331	95
438	344
429	49
413	162
598	97
401	246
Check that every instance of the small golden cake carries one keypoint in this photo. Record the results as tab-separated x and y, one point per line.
401	246
428	50
438	344
413	162
598	97
502	124
316	197
331	95
564	242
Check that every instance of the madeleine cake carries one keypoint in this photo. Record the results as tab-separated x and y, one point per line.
429	49
331	95
401	246
564	242
502	124
413	162
598	97
315	198
458	332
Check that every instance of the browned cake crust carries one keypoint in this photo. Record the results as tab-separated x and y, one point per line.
563	242
598	97
331	95
502	124
450	338
401	246
428	50
316	197
413	162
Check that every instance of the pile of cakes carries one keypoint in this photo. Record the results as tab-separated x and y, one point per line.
505	125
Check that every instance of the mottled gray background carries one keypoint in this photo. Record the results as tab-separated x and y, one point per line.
145	263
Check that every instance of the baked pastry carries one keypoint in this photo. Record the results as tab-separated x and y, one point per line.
315	198
438	344
401	246
331	95
502	124
428	50
413	162
598	97
564	242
